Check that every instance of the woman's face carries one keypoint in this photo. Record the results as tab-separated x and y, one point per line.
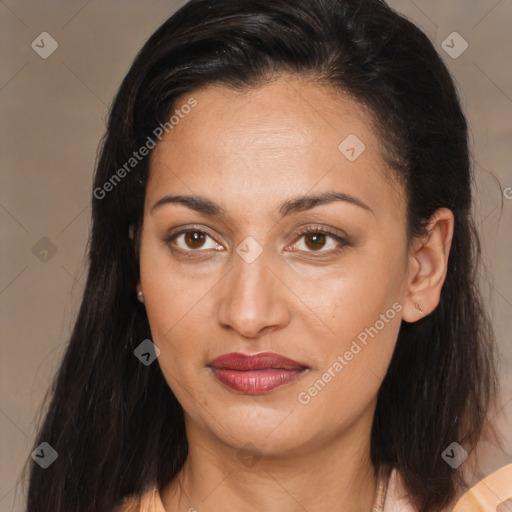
231	272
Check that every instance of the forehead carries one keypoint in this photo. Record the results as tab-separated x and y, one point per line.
284	138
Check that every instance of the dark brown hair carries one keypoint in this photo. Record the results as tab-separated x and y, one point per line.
114	422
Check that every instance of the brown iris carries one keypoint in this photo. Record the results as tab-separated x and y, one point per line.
194	239
318	240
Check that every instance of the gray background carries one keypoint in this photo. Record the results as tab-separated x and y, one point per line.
53	114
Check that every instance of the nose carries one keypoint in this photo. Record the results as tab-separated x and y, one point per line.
253	299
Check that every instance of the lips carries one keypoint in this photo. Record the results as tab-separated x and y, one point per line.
262	361
255	374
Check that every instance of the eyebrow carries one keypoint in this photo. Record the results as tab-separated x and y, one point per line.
293	205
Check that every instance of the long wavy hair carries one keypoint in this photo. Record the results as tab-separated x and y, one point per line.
115	423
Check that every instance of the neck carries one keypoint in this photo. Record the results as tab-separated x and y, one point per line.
328	475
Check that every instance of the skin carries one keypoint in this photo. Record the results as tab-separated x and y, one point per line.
250	152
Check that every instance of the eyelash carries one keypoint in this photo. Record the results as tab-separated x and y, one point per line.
344	242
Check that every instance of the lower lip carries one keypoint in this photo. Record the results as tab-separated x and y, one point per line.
256	382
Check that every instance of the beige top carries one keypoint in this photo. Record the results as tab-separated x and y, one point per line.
485	496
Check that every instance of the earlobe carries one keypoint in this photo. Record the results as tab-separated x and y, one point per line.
140	295
429	266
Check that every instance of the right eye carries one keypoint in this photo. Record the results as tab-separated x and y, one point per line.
192	240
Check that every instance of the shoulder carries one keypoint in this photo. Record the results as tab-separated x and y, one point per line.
489	493
485	496
149	501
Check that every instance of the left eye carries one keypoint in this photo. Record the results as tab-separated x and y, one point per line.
316	239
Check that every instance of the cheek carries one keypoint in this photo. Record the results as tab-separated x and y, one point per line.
361	313
176	306
344	300
172	296
354	368
179	331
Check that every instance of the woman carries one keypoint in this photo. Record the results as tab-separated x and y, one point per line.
281	309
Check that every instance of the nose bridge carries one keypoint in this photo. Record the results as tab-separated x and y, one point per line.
252	299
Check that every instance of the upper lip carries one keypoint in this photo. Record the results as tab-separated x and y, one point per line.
245	362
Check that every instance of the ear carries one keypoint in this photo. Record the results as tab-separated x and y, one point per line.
428	265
